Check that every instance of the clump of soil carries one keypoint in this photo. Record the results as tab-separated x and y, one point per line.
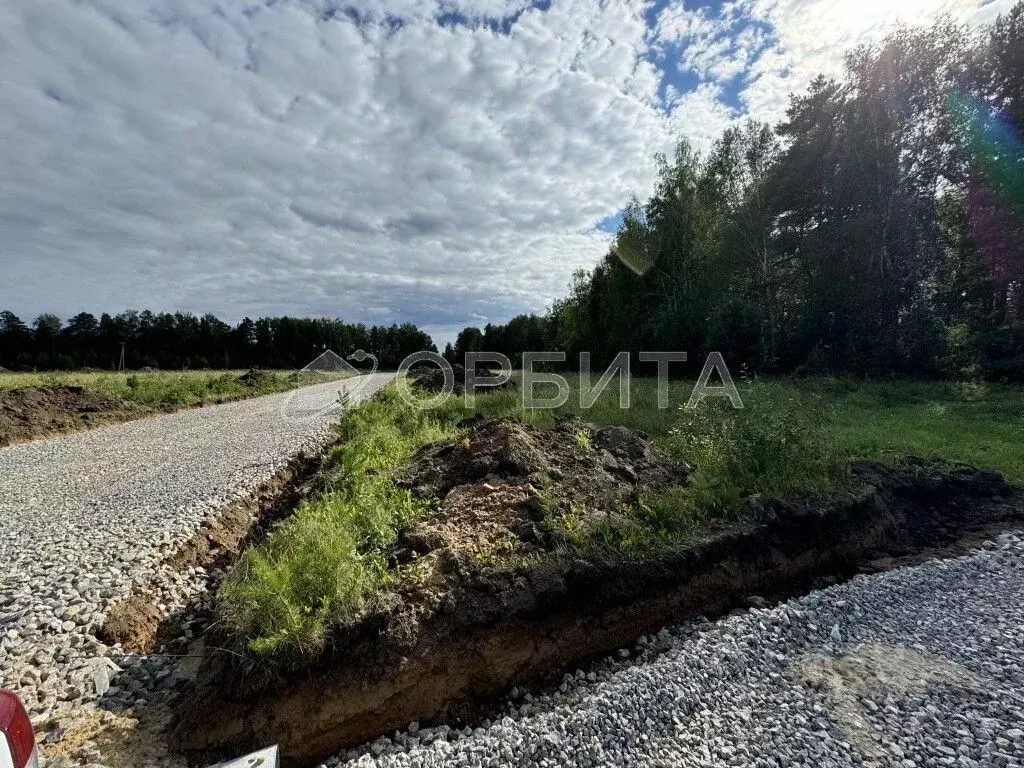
133	623
253	378
432	379
506	482
27	413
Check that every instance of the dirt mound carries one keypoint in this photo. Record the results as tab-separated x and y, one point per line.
133	623
440	661
505	482
30	412
432	379
253	378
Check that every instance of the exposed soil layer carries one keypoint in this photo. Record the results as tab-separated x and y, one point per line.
431	654
133	623
254	377
499	485
28	413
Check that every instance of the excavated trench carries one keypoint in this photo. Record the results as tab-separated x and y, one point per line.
136	623
514	627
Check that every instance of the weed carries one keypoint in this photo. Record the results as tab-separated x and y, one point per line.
583	440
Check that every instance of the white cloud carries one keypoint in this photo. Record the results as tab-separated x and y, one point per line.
775	47
701	116
282	157
812	37
715	47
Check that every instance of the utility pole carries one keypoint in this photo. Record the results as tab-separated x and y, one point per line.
120	364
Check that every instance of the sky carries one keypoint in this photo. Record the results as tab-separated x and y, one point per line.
442	162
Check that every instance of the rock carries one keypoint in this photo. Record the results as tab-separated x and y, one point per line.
101	680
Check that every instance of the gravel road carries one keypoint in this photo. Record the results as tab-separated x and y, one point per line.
916	667
87	517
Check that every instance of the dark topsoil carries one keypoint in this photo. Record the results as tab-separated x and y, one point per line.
498	594
28	413
433	380
508	487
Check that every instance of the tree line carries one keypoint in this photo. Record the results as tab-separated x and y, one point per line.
182	340
877	230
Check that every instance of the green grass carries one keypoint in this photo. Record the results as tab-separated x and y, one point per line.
160	389
780	445
793	437
978	423
975	422
320	564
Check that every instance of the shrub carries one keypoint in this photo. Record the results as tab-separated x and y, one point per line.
782	446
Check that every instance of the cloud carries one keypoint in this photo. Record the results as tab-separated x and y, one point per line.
776	47
434	161
701	115
295	157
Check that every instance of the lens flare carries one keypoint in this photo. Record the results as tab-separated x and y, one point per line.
995	191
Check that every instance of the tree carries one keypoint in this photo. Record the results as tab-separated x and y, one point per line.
80	339
468	340
15	340
47	337
834	242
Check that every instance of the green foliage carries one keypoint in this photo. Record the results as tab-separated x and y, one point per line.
583	440
183	341
779	445
979	423
962	358
317	568
160	389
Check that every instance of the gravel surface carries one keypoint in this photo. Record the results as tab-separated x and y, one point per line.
86	518
916	667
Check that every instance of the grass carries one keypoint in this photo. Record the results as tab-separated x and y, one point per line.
792	438
978	423
318	567
780	445
162	389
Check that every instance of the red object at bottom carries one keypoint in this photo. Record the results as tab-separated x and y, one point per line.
17	730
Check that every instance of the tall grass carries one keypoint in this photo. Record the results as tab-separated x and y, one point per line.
780	444
316	569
